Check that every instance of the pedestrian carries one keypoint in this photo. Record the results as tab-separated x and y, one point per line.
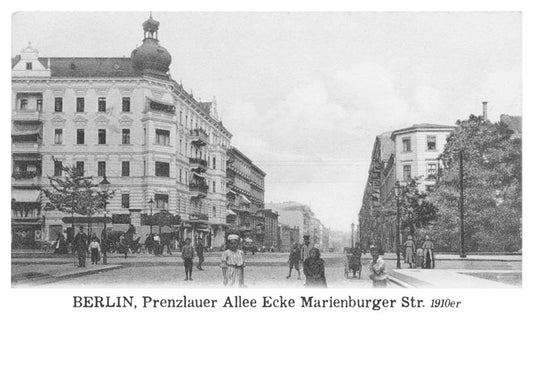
149	243
378	270
200	254
122	246
187	254
354	262
420	258
294	260
60	245
306	248
409	251
94	248
233	263
157	244
429	256
314	270
79	245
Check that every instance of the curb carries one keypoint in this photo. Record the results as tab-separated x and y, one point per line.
46	278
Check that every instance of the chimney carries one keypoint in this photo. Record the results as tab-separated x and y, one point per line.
484	111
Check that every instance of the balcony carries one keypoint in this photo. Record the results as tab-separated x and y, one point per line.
26	178
198	217
26	115
199	137
197	164
198	189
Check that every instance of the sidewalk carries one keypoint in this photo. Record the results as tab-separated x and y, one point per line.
32	274
453	279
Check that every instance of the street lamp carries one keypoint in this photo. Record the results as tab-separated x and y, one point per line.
104	186
353	226
397	194
151	204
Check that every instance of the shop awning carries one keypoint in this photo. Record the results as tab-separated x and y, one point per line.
231	212
245	199
198	174
26	195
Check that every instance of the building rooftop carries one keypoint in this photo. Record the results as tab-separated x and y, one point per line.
422	127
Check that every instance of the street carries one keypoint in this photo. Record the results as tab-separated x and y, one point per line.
267	270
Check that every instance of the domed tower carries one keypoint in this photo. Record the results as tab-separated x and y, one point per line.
150	57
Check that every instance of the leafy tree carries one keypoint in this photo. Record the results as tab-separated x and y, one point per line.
492	174
415	211
74	193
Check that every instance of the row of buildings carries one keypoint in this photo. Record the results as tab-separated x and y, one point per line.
127	120
400	156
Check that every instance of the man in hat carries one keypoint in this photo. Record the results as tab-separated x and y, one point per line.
294	260
79	245
306	248
232	263
410	250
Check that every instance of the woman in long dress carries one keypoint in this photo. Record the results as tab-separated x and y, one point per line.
314	270
232	263
429	256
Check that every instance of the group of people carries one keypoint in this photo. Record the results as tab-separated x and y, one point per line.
83	244
422	257
313	264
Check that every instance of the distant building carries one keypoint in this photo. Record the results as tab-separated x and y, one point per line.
267	234
295	214
288	236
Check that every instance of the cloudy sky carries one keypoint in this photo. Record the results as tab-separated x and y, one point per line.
305	94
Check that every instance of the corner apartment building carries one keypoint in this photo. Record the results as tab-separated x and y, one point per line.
125	119
401	155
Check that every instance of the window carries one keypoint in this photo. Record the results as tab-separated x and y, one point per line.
406	143
431	142
23	103
214	163
58	136
80	104
101	104
101	168
214	211
125	136
58	168
125	201
80	136
180	174
406	173
80	168
29	66
162	137
144	167
161	201
432	170
214	186
39	104
126	104
101	136
125	168
162	169
181	117
58	104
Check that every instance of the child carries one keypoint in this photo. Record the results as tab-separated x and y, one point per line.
94	248
419	258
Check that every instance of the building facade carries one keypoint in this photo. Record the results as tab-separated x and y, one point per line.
245	197
295	214
125	119
288	236
402	155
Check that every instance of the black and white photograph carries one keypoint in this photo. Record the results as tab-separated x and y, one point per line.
266	190
345	150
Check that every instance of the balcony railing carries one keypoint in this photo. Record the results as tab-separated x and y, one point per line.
198	189
25	175
198	164
199	216
27	115
199	137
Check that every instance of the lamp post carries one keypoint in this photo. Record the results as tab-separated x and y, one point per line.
151	204
397	194
104	186
353	226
